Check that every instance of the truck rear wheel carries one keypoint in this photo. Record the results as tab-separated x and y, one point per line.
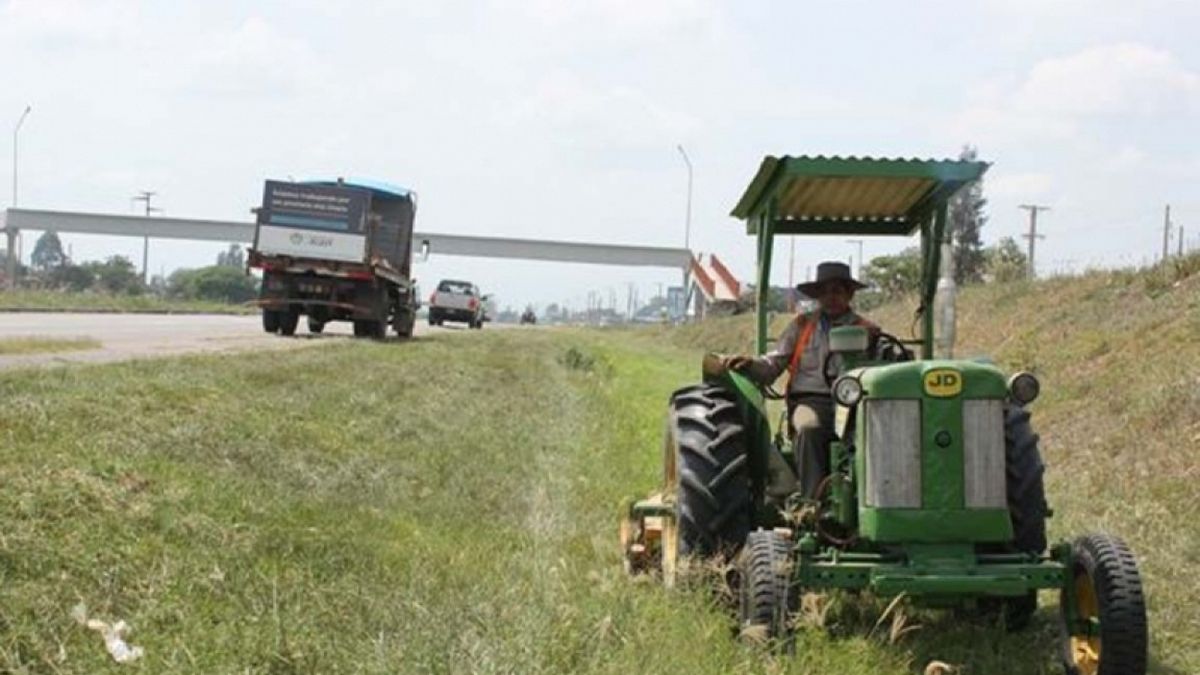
370	328
270	320
705	465
403	322
288	320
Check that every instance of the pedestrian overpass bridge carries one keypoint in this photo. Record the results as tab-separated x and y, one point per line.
16	219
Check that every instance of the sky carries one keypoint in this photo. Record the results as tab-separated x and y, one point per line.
561	120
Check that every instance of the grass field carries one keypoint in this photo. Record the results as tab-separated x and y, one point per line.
59	301
449	505
44	345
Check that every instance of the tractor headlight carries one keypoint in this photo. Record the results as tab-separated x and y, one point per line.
847	390
1024	388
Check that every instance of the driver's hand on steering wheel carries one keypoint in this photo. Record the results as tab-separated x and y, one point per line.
736	362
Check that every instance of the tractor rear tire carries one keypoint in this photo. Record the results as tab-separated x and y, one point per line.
1107	589
766	599
707	466
1026	503
270	320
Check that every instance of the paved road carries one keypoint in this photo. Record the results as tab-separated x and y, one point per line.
130	336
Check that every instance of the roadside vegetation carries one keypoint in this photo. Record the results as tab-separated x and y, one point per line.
53	281
450	504
88	301
43	345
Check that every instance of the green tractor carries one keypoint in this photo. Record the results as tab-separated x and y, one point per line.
935	486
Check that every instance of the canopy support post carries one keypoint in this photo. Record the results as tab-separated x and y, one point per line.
762	291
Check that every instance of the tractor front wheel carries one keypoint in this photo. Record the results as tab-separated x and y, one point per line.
765	596
1103	613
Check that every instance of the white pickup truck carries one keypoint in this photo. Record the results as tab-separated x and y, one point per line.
457	301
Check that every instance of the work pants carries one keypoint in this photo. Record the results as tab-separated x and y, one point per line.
812	421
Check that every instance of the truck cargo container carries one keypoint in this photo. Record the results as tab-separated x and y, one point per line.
336	251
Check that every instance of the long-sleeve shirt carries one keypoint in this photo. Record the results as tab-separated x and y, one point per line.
808	378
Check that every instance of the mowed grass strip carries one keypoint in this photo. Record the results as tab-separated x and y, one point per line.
13	346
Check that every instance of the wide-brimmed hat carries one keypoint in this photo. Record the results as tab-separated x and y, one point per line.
827	272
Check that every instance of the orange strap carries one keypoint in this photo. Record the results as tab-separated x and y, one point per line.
809	327
810	322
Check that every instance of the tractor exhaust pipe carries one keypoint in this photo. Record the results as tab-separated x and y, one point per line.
943	305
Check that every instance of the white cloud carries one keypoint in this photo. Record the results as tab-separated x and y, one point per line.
1060	94
1110	80
256	57
597	115
55	22
618	19
1019	186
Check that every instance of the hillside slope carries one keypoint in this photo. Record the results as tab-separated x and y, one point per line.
1118	355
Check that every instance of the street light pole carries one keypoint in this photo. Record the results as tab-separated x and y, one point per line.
8	230
17	130
687	227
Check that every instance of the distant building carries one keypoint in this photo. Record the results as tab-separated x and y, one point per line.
714	288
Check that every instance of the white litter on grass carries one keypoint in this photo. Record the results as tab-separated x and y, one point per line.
114	640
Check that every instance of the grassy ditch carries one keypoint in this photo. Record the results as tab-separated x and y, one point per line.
447	505
13	346
1118	354
61	301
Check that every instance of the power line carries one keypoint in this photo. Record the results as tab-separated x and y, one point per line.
1032	235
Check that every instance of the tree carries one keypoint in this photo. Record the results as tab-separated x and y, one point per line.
75	278
234	257
895	275
48	252
218	283
1006	261
967	219
117	275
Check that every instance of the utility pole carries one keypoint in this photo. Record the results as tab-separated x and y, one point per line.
146	196
1033	236
1180	241
1166	231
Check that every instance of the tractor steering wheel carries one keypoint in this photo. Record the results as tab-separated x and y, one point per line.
891	349
884	347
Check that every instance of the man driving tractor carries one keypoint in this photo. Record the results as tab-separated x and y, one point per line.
802	350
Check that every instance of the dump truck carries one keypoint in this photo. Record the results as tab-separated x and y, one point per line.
336	251
934	488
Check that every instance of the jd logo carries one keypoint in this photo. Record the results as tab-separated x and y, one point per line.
296	239
943	383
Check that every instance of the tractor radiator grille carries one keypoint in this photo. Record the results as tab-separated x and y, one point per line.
893	453
983	454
